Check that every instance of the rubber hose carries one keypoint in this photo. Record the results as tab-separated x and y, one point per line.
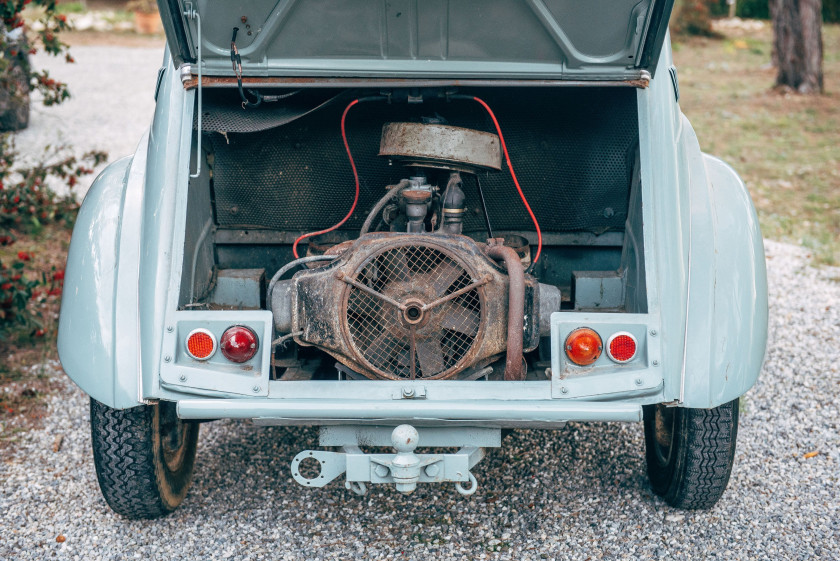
377	208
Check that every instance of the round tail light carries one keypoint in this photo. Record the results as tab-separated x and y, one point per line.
201	344
621	347
239	344
583	346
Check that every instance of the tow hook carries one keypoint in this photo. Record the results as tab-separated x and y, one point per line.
404	468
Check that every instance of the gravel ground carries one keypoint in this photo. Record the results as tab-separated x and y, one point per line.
576	493
111	106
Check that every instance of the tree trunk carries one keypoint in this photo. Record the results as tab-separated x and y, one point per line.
797	44
14	83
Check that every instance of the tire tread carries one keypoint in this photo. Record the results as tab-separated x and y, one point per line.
709	455
124	456
698	473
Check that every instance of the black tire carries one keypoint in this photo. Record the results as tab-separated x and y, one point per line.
690	452
144	457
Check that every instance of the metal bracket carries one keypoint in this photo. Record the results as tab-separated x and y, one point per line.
192	13
410	392
404	469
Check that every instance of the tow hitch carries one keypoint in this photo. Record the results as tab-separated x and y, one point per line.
404	469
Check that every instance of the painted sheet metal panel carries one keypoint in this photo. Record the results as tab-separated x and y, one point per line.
563	39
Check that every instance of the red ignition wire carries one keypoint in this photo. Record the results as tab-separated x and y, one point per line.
513	175
355	176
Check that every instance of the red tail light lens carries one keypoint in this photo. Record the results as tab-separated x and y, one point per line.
239	344
621	347
201	344
583	346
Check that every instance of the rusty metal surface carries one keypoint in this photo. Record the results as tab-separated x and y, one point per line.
308	82
410	339
441	146
391	297
514	367
417	195
521	246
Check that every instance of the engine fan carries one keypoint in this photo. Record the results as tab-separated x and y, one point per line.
408	315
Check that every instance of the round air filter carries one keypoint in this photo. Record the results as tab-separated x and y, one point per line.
441	146
394	325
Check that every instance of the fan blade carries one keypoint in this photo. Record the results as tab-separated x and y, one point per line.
396	266
430	356
364	304
444	275
460	319
381	350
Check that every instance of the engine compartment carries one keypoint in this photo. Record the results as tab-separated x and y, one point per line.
415	281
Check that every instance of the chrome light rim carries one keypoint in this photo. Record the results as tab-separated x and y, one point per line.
206	332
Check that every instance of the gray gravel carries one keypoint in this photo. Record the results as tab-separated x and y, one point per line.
112	104
576	493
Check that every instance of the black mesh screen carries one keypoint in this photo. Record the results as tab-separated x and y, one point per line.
572	149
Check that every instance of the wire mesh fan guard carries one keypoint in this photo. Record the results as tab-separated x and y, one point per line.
445	336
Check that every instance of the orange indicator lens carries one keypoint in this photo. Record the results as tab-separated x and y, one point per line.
583	346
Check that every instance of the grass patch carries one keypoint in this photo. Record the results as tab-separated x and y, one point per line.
786	147
70	8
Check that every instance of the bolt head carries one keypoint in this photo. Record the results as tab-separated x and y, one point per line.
167	358
170	329
656	363
256	389
382	471
653	333
638	381
432	470
408	392
183	378
564	389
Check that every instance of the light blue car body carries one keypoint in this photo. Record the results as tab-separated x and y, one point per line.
704	332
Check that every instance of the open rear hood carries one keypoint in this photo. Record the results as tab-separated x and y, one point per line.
481	39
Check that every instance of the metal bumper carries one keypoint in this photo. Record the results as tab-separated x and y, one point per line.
486	412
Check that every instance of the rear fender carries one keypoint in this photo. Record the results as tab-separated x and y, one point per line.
98	326
726	327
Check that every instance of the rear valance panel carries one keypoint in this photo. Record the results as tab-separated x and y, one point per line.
554	39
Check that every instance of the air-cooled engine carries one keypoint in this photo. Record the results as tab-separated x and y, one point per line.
421	301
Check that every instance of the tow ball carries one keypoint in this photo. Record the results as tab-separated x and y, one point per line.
404	468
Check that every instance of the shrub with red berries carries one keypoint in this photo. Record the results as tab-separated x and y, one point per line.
16	291
46	37
29	195
28	202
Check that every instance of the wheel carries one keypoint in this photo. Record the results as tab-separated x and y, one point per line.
690	452
144	457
